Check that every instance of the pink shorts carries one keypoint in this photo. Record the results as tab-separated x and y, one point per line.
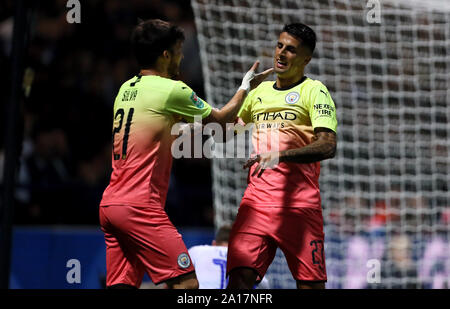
298	232
140	240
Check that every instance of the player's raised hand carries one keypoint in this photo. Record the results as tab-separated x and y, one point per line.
264	161
251	80
259	78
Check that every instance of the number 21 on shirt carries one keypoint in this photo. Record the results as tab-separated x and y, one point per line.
128	95
121	115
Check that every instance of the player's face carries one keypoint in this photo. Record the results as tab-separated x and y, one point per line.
175	60
290	57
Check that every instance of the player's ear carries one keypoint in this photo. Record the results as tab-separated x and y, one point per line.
166	54
214	243
307	60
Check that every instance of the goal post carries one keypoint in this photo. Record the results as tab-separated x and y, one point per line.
386	64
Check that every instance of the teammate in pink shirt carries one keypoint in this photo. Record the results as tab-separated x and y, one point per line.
138	233
294	129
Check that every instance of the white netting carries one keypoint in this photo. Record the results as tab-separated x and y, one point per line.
385	194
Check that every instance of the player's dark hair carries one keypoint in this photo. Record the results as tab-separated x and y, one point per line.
223	234
304	33
151	37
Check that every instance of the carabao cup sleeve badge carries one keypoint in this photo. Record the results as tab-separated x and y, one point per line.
184	261
196	100
292	97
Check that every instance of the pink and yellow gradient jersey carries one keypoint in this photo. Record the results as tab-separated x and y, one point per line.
145	110
285	119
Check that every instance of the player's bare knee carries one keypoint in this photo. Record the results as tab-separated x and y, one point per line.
238	284
192	284
189	284
242	278
188	281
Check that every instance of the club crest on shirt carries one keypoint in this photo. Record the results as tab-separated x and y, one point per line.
184	261
292	97
196	100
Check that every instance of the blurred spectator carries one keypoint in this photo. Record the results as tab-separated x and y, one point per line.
355	213
398	266
387	212
45	176
357	254
434	266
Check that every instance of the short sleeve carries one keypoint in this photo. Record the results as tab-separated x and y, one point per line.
184	102
245	113
322	110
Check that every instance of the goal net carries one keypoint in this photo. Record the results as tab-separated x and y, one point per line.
386	63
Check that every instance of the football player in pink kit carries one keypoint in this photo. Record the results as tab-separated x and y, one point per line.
138	233
281	206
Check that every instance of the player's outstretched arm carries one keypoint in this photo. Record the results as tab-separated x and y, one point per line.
323	147
228	113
